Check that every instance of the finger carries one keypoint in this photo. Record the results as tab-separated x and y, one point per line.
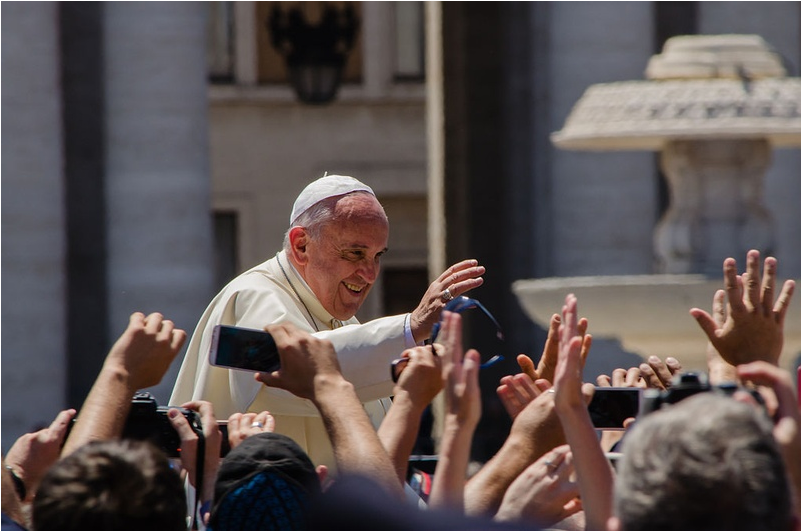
137	319
732	285
661	371
181	425
542	385
153	322
470	366
673	366
707	324
751	278
234	422
603	380
550	351
510	402
62	420
165	330
523	388
650	377
178	339
719	308
783	302
587	391
632	377
618	377
768	286
527	366
583	323
269	422
764	373
586	344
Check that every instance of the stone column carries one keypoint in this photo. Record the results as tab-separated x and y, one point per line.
157	166
33	314
602	218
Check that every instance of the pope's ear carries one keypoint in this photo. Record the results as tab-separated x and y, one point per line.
298	240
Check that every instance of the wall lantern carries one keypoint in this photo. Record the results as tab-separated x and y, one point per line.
315	54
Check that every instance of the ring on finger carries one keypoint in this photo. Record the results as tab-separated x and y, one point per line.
257	424
446	295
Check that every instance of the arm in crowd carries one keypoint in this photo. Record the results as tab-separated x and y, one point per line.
535	430
139	359
462	413
593	472
212	439
310	369
418	384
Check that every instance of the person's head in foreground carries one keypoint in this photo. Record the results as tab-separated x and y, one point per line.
121	485
706	463
265	483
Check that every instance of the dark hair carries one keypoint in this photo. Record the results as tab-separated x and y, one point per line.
120	485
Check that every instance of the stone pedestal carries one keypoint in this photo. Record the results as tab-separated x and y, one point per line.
716	205
649	314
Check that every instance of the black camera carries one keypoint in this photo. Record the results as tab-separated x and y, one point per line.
687	384
147	421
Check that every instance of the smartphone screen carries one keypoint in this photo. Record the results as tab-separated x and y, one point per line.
243	348
610	406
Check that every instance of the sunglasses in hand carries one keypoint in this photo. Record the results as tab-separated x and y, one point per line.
457	305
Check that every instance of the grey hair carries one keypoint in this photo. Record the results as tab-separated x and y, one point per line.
318	216
707	463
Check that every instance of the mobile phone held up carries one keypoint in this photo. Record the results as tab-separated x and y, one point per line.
245	349
611	406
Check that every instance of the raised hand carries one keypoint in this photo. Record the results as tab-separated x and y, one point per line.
550	352
752	326
516	392
462	413
146	349
544	493
32	454
593	472
305	361
243	425
455	281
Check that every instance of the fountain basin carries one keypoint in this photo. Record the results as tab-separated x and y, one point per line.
648	314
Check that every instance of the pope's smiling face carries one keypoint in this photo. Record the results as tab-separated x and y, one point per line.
342	263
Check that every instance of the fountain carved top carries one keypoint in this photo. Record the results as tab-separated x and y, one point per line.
699	87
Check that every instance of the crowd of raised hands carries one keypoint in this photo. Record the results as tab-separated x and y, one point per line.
706	462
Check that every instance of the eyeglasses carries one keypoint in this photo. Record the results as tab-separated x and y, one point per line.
457	305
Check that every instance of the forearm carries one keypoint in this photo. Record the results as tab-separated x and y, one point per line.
484	492
104	411
398	432
451	474
357	448
593	472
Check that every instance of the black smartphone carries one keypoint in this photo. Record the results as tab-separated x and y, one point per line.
611	406
245	349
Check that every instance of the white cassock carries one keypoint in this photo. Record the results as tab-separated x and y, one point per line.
268	293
